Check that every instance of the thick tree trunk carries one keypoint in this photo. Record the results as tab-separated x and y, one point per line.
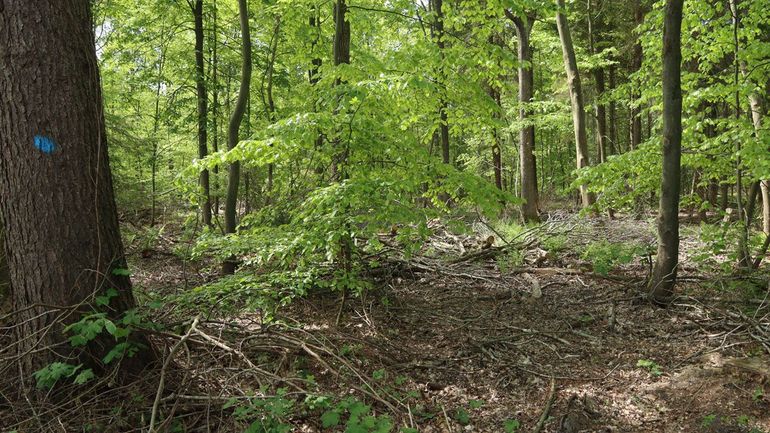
5	277
202	95
663	279
576	98
234	171
61	224
527	161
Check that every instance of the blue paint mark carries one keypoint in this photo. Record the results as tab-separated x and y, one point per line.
45	144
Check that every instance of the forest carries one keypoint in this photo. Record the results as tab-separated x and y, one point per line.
374	216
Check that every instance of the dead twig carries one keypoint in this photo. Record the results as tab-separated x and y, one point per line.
163	369
547	409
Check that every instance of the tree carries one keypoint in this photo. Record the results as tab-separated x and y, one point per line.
202	96
527	163
234	171
58	209
663	278
576	98
438	32
635	127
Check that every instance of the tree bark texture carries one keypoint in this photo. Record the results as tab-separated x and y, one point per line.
663	279
576	98
527	161
56	194
234	171
202	96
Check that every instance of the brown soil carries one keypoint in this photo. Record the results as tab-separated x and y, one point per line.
471	338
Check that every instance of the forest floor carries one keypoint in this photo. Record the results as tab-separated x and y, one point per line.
458	339
537	335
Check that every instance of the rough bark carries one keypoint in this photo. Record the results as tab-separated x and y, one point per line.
527	161
497	160
234	171
5	277
202	96
663	278
576	98
58	208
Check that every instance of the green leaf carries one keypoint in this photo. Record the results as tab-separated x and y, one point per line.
330	419
121	272
84	376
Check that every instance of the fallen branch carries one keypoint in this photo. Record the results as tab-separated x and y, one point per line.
547	409
163	369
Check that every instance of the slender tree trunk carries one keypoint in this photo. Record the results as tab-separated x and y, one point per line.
234	171
58	208
766	207
215	101
202	95
635	129
155	145
600	109
755	103
341	55
663	279
744	256
267	95
443	105
576	98
497	160
614	149
527	162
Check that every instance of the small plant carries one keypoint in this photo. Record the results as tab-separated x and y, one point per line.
758	394
708	420
510	260
268	414
359	418
511	426
556	243
606	255
651	366
87	329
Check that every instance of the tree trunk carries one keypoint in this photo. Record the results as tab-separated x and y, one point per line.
663	279
443	105
527	161
766	207
58	208
576	98
600	110
613	150
215	102
744	256
234	171
202	95
5	277
635	128
497	160
267	95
